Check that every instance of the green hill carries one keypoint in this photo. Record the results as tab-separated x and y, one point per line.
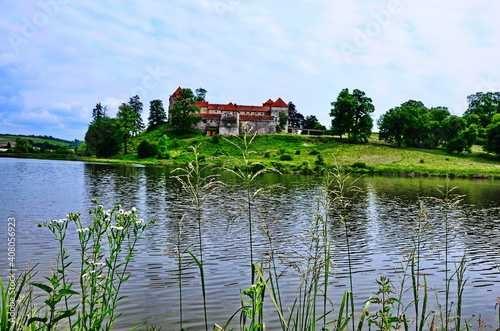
309	154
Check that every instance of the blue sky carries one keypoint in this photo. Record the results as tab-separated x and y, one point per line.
58	58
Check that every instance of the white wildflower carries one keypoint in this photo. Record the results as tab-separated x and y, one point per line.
83	229
134	209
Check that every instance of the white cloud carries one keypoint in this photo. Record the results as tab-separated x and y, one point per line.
246	52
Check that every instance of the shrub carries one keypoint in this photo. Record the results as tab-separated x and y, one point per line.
281	151
286	157
320	161
314	152
146	149
359	165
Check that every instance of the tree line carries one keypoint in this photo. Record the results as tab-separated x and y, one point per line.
410	124
413	124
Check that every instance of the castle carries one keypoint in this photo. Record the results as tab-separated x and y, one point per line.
227	119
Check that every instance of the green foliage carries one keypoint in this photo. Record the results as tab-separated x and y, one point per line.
384	318
282	121
146	149
312	122
286	157
23	146
104	137
163	146
157	114
359	165
182	115
127	121
98	112
99	275
410	123
297	152
136	107
314	152
320	161
351	115
493	136
296	119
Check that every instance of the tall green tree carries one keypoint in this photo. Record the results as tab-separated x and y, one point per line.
23	145
351	115
157	114
201	94
409	123
98	112
492	143
136	106
182	116
103	137
282	120
296	119
485	105
312	122
127	119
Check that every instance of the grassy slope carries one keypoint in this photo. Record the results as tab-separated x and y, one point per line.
378	156
4	138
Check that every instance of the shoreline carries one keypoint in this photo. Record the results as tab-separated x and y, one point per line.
375	170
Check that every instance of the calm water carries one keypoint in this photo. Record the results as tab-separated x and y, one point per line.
38	190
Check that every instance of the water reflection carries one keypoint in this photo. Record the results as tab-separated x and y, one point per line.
379	224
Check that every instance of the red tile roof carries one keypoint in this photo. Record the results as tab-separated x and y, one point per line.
230	106
268	102
202	103
177	93
279	103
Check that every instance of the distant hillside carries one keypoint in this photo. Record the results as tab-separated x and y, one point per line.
47	142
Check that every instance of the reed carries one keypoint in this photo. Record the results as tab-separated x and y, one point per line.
198	187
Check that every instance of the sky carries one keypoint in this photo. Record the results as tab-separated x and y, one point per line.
58	58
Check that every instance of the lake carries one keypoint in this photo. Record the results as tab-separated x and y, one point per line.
36	191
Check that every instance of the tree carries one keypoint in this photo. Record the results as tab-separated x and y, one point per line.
282	120
296	119
127	119
136	106
103	137
182	115
200	94
351	115
492	143
409	123
157	114
311	122
146	149
485	105
98	112
23	145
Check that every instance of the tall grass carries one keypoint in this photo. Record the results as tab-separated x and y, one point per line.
100	274
199	186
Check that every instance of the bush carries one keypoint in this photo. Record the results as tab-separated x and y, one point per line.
281	151
320	161
146	149
314	152
359	165
286	157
